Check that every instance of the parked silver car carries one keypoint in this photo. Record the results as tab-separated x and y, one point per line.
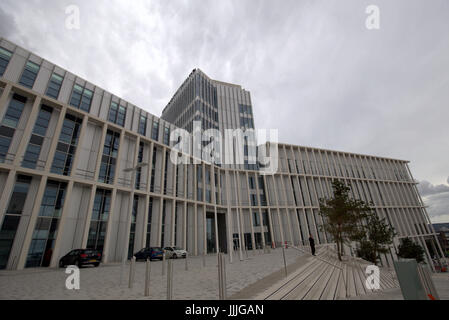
174	252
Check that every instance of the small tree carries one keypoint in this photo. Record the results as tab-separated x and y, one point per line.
410	250
378	235
343	216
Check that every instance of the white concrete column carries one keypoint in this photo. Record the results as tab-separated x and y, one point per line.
81	138
118	166
108	236
6	193
237	208
173	220
145	221
27	132
214	201
131	201
161	207
253	242
270	218
90	207
150	166
229	222
173	225
100	152
195	229
281	229
184	226
217	247
204	229
4	98
62	224
55	140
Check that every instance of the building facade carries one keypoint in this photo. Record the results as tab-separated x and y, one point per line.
82	168
442	229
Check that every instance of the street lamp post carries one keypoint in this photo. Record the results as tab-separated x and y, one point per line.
130	208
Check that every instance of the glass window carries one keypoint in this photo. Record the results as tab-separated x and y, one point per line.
76	95
31	156
143	125
5	56
155	132
117	114
4	147
15	108
29	74
113	112
66	148
167	136
86	100
12	218
81	98
54	86
44	235
100	214
17	201
109	159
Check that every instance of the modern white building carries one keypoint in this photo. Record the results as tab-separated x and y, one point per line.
66	145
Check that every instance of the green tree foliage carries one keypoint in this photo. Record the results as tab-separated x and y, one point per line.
343	216
377	236
410	250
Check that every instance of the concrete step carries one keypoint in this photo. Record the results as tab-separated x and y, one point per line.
312	280
325	277
292	283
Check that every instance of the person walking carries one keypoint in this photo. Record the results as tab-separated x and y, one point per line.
312	244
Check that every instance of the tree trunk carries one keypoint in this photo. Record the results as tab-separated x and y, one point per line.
338	250
342	253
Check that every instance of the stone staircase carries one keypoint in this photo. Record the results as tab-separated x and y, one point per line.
324	277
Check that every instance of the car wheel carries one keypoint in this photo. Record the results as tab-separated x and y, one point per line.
96	264
175	256
61	264
78	263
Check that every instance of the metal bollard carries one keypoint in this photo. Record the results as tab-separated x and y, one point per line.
132	270
285	262
169	280
147	278
187	266
221	277
163	264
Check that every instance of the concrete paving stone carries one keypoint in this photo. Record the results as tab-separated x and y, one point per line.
197	283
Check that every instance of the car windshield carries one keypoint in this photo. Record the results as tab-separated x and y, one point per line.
178	248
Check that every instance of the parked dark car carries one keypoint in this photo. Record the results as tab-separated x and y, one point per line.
81	257
152	253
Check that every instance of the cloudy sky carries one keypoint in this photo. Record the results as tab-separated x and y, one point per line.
314	70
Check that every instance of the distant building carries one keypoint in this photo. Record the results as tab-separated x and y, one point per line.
442	229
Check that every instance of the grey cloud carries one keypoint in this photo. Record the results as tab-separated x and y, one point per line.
438	206
314	71
426	188
8	26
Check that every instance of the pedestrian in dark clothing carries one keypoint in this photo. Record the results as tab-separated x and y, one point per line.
312	244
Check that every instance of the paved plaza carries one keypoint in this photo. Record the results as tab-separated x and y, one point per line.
440	280
197	283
